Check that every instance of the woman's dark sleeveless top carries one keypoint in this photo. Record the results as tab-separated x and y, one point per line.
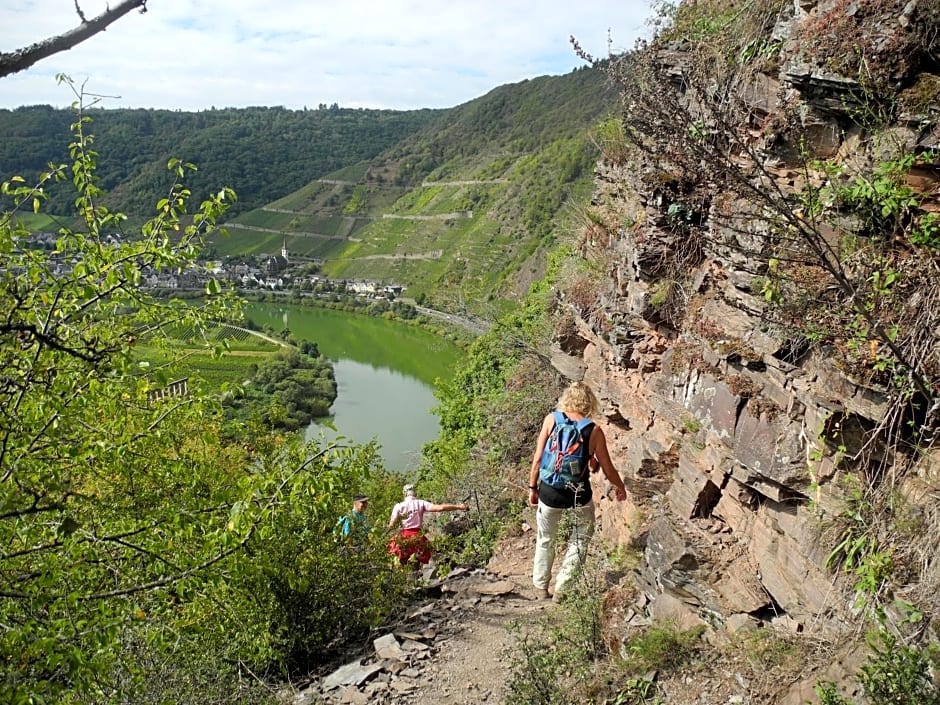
566	498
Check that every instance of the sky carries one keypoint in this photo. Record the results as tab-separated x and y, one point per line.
396	54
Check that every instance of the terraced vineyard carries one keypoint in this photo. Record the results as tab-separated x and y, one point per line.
245	350
458	213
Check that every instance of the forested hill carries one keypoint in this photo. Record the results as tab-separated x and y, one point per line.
265	153
514	118
262	153
462	211
458	205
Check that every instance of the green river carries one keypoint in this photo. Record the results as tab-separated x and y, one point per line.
385	374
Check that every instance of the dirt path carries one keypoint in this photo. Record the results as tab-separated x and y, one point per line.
436	216
453	649
474	663
460	647
470	182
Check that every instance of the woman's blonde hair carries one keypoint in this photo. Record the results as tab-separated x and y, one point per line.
580	399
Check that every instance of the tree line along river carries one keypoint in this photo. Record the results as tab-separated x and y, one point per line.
385	374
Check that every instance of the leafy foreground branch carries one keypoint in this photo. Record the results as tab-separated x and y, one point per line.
146	556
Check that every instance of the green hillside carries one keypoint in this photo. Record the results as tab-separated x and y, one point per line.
457	205
459	211
260	152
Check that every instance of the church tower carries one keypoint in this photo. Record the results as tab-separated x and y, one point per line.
284	250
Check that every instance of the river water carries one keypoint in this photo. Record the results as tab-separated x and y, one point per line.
385	375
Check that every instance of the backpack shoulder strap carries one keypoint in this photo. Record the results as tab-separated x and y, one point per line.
584	423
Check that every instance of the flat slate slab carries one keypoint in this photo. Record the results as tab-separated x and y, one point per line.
354	673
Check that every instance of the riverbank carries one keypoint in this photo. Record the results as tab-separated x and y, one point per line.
477	326
403	311
386	373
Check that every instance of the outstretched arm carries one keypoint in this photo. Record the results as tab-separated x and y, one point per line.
600	452
448	508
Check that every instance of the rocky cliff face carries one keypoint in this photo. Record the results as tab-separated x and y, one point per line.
749	438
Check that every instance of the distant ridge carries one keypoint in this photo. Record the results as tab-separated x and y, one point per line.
262	153
457	205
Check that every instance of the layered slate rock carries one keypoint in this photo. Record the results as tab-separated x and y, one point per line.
716	418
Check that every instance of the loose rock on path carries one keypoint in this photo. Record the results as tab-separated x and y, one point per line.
453	648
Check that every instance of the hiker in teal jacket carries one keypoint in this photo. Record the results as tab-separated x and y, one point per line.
553	499
354	527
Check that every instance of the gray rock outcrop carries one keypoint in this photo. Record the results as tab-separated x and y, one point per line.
723	422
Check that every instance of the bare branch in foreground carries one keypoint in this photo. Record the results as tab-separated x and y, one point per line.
11	62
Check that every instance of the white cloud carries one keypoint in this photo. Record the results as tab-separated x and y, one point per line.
402	54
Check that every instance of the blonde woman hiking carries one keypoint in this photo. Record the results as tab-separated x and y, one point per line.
568	448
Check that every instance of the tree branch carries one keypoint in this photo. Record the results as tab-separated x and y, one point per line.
168	580
11	62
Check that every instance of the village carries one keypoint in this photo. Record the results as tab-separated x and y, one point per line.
266	272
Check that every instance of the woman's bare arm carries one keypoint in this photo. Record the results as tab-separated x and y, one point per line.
600	452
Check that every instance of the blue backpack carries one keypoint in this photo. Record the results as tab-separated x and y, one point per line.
566	454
